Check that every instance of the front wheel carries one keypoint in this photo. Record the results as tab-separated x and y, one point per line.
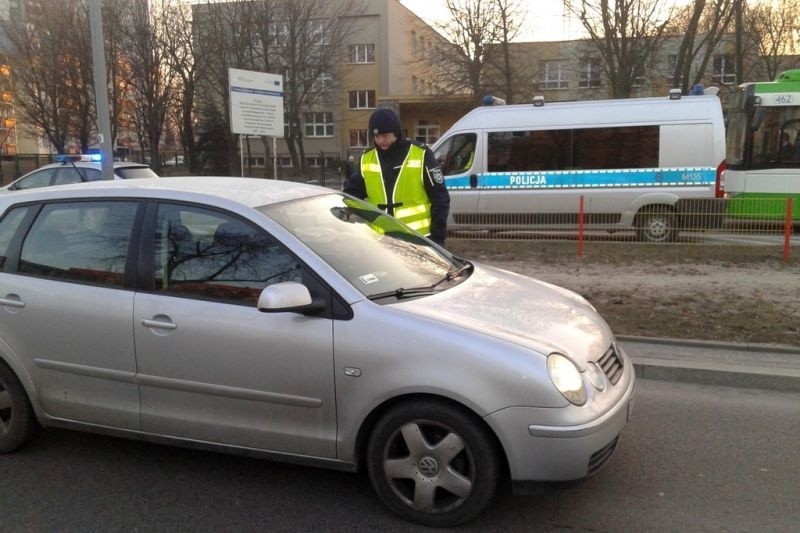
656	224
433	463
17	419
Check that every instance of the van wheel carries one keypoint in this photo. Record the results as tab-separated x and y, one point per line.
433	463
656	224
17	419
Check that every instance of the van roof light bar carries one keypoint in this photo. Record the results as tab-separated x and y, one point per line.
538	101
674	94
493	100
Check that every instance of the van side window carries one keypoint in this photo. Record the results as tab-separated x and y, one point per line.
457	154
574	149
80	241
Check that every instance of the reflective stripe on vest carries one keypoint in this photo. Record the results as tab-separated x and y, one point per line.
409	189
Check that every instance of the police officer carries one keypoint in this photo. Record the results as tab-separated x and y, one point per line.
401	177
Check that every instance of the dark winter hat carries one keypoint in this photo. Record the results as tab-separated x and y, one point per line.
384	120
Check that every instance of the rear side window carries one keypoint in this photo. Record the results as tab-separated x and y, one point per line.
574	149
8	229
130	173
80	241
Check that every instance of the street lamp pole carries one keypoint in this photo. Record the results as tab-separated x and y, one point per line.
101	89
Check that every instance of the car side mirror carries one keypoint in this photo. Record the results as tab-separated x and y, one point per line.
289	297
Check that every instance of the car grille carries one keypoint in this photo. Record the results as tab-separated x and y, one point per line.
601	457
611	363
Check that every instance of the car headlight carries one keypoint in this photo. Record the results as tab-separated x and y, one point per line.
567	378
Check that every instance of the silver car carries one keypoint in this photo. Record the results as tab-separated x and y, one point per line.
297	323
70	170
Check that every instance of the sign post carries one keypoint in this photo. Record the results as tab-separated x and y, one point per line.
256	106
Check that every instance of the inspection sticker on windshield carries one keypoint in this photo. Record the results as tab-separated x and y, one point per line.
366	279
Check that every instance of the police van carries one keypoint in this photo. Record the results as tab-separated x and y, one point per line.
652	165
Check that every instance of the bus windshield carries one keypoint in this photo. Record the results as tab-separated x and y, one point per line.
764	126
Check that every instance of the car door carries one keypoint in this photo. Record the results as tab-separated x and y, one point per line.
212	367
67	310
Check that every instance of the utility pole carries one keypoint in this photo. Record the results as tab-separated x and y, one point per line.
738	31
101	89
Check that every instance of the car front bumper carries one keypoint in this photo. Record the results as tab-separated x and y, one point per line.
560	453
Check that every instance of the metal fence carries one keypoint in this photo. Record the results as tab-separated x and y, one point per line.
772	222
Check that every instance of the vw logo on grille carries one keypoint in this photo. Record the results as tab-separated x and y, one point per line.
428	466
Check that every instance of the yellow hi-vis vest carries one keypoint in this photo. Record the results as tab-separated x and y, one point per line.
409	199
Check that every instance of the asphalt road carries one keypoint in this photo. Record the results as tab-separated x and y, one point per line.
693	458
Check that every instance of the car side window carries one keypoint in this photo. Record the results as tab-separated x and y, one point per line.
41	178
207	254
70	174
8	229
80	241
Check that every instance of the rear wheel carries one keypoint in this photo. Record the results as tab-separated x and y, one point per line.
17	419
433	463
656	224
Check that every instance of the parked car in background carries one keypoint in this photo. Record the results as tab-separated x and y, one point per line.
292	322
77	169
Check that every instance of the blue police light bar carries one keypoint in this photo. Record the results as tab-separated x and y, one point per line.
493	100
89	158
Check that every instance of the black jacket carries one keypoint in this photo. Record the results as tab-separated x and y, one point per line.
391	160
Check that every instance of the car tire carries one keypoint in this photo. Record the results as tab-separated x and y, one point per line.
656	224
17	419
433	463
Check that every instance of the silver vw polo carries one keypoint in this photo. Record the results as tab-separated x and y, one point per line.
300	324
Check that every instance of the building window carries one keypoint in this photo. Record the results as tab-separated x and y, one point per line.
426	131
638	79
323	83
552	75
319	124
285	162
319	162
362	99
590	73
359	139
254	162
724	69
361	53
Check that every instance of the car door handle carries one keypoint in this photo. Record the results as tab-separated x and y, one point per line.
160	324
12	301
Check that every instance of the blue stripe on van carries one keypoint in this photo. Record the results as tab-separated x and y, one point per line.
567	179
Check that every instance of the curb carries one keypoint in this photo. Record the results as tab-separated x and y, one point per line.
720	345
781	378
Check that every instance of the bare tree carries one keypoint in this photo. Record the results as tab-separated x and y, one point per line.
151	80
702	25
479	31
776	27
51	58
501	57
177	41
626	33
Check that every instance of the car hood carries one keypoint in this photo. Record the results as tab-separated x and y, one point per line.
522	310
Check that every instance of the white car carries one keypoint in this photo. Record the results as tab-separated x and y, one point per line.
76	170
288	321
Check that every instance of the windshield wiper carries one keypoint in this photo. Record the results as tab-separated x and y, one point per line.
420	291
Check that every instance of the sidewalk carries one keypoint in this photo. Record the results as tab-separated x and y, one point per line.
754	366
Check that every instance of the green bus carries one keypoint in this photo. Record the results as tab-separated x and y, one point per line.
763	149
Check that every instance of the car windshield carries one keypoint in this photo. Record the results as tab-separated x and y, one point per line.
130	173
377	254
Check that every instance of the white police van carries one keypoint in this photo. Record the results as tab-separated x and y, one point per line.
647	164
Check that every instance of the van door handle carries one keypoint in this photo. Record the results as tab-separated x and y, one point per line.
473	181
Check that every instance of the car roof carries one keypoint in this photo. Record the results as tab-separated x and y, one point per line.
91	164
250	192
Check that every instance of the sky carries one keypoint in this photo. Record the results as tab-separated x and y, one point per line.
544	20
